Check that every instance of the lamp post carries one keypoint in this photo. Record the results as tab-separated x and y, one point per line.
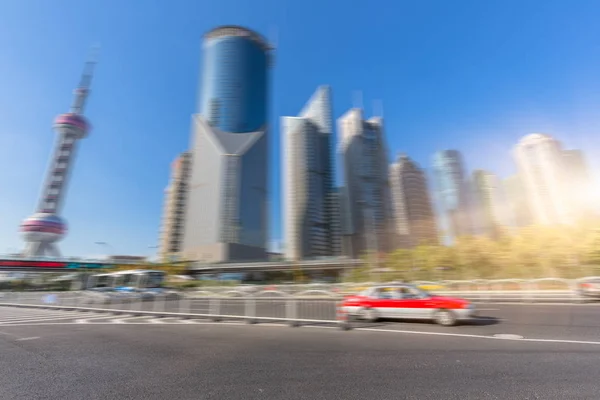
110	250
151	248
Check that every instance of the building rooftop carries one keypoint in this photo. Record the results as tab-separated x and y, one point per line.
236	30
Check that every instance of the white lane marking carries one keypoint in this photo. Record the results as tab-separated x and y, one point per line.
87	320
29	338
318	326
156	321
126	319
19	338
130	323
464	335
460	335
35	320
508	336
31	317
15	313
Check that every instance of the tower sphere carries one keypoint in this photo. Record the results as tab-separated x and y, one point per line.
73	122
43	227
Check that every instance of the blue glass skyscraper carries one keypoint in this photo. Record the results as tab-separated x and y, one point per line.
235	80
226	213
451	194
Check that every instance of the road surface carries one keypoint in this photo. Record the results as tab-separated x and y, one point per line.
207	360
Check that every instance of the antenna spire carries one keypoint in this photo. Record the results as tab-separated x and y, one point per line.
378	108
274	37
83	89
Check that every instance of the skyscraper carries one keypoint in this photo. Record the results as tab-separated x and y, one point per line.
541	164
579	182
452	194
226	213
367	224
517	202
414	220
490	210
173	221
309	197
44	228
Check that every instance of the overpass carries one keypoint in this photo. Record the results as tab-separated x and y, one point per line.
333	264
53	265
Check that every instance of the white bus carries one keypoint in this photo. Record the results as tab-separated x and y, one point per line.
132	280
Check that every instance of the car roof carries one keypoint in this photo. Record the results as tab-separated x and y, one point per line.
392	286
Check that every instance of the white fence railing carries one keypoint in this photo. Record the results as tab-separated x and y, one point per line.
251	309
292	307
541	289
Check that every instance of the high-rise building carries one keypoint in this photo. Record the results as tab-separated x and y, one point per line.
368	222
226	213
517	202
309	202
579	183
541	163
173	221
490	210
452	195
414	219
43	229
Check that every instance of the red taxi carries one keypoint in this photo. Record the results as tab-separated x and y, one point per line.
409	302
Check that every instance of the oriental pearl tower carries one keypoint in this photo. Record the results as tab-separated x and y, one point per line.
43	229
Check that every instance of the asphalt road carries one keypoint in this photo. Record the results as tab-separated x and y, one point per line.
216	361
568	321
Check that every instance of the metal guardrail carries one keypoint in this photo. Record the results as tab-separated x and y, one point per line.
557	289
251	309
539	296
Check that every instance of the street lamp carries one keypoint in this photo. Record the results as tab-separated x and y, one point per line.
110	250
151	247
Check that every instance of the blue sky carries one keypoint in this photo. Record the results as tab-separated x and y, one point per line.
468	74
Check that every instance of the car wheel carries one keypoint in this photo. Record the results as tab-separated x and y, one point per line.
368	314
444	318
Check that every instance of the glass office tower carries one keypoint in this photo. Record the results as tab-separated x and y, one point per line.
226	214
451	192
310	207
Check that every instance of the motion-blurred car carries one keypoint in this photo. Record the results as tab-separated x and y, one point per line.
407	302
589	289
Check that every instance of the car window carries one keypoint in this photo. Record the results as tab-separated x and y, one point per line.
408	292
387	293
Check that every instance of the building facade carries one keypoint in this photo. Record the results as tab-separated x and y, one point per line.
414	219
541	164
579	183
516	201
309	197
490	210
173	220
226	215
367	220
452	195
